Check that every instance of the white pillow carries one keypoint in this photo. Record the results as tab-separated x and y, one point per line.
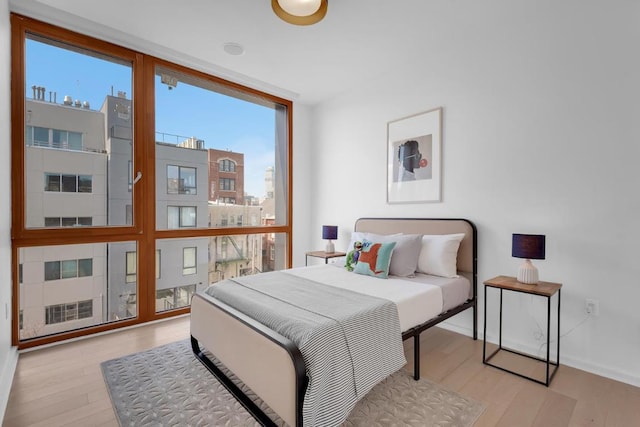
439	254
404	260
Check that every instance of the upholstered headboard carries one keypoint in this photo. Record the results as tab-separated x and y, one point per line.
467	253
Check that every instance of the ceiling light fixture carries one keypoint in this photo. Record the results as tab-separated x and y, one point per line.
234	49
300	12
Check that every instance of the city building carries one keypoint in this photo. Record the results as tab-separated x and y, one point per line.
82	175
226	177
63	287
269	177
235	255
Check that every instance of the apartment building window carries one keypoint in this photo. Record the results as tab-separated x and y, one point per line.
52	221
227	165
69	183
70	311
57	182
52	182
67	140
181	216
228	200
84	221
71	221
131	266
181	180
67	269
85	183
189	261
38	136
227	184
53	138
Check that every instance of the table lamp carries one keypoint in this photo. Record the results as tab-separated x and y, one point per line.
528	246
330	232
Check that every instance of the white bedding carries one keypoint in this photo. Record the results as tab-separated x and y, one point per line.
418	299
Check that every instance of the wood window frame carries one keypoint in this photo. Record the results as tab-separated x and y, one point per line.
143	231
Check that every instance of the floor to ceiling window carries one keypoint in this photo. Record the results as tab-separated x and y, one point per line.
139	182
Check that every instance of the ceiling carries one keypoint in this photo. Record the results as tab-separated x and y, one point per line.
357	40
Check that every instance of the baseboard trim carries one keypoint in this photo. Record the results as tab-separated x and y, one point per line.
6	379
568	360
463	330
602	371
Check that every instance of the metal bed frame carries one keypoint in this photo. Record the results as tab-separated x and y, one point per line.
297	362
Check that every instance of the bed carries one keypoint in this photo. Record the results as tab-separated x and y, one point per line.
273	367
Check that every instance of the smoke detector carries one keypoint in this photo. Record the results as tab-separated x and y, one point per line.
235	49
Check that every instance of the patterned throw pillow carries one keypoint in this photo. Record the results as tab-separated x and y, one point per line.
375	259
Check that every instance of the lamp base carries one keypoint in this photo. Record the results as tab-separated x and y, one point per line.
330	248
528	273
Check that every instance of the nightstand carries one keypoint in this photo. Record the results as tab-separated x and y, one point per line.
323	254
543	289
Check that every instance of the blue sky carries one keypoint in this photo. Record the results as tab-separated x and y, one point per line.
223	122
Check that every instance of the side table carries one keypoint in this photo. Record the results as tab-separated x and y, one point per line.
322	254
542	289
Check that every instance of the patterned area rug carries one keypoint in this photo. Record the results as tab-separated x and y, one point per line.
168	386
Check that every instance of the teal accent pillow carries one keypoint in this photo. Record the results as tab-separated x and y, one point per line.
375	259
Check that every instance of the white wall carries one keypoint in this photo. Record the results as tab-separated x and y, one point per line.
541	135
302	196
8	354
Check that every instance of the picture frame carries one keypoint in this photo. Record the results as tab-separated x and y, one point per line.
414	158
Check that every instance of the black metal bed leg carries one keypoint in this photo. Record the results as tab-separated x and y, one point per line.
475	319
231	387
416	357
195	346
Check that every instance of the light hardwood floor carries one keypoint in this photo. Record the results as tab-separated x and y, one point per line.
63	385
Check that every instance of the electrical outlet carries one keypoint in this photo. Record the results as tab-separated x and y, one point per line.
592	307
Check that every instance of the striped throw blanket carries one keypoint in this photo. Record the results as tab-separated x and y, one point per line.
349	341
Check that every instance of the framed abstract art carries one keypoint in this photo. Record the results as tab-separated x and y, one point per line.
414	162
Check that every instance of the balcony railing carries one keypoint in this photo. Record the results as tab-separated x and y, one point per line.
64	146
